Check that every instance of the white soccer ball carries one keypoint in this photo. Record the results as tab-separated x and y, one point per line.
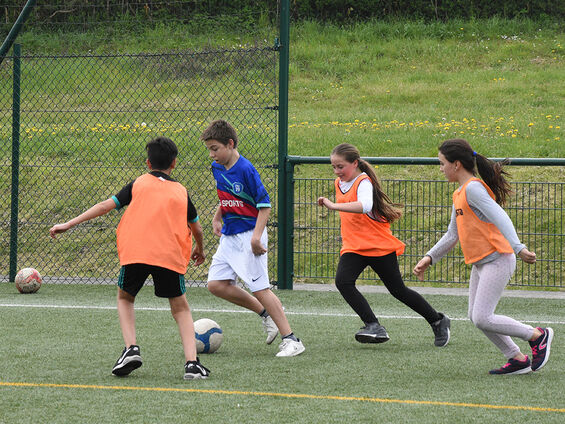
28	280
209	335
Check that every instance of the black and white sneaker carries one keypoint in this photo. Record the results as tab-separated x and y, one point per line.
373	332
129	360
442	330
194	370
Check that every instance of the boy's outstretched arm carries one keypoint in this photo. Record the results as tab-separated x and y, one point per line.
99	209
197	254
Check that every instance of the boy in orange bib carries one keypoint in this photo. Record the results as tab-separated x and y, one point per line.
154	238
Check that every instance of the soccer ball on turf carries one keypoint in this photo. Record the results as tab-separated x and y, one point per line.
209	335
28	280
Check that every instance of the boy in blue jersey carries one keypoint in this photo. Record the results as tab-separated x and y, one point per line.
240	221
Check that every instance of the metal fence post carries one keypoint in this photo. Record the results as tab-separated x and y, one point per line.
289	236
284	251
16	28
15	163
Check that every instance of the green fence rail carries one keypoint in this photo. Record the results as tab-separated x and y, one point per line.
83	124
537	209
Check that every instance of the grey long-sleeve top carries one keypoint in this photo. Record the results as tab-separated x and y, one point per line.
487	210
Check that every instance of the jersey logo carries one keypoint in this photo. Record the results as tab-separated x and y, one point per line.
237	187
458	212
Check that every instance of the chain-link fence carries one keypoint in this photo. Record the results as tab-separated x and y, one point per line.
537	210
85	121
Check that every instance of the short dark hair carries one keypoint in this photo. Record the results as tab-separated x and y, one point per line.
220	130
161	152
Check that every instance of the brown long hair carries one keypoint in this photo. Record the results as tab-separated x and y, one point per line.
384	210
491	172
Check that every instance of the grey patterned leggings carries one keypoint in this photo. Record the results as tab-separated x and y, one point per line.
485	290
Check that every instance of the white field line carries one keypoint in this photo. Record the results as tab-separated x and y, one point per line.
243	311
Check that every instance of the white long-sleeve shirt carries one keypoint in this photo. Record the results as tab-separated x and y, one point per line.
364	191
487	210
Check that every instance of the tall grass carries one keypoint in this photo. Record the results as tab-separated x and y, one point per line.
399	89
393	88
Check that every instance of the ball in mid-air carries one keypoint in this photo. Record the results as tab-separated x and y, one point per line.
209	335
28	280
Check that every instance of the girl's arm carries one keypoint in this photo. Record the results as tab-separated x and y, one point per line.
440	249
363	205
354	207
447	242
489	211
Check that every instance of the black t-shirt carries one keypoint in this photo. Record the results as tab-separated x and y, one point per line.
124	196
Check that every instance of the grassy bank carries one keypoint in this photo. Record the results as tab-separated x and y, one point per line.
393	88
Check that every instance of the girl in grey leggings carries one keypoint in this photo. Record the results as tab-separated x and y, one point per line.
489	242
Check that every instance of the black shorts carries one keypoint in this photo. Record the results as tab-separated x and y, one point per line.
167	283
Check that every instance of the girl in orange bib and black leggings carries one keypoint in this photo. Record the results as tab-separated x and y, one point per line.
366	213
489	242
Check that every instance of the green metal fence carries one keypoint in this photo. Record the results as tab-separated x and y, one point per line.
83	125
535	208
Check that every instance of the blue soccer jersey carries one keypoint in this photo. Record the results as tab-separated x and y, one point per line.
241	195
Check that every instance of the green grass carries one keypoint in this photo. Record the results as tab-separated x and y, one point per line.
392	88
399	90
73	348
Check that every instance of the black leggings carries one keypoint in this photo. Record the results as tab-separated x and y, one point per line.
351	265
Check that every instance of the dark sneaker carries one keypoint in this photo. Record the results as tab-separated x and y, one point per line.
442	330
128	361
372	333
514	366
194	370
540	348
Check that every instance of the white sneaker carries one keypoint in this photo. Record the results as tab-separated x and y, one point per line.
270	328
290	347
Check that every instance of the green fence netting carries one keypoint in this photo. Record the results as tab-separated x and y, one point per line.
85	121
536	208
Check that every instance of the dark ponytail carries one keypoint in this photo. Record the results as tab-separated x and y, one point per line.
491	172
384	210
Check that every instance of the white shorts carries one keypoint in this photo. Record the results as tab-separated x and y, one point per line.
234	258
